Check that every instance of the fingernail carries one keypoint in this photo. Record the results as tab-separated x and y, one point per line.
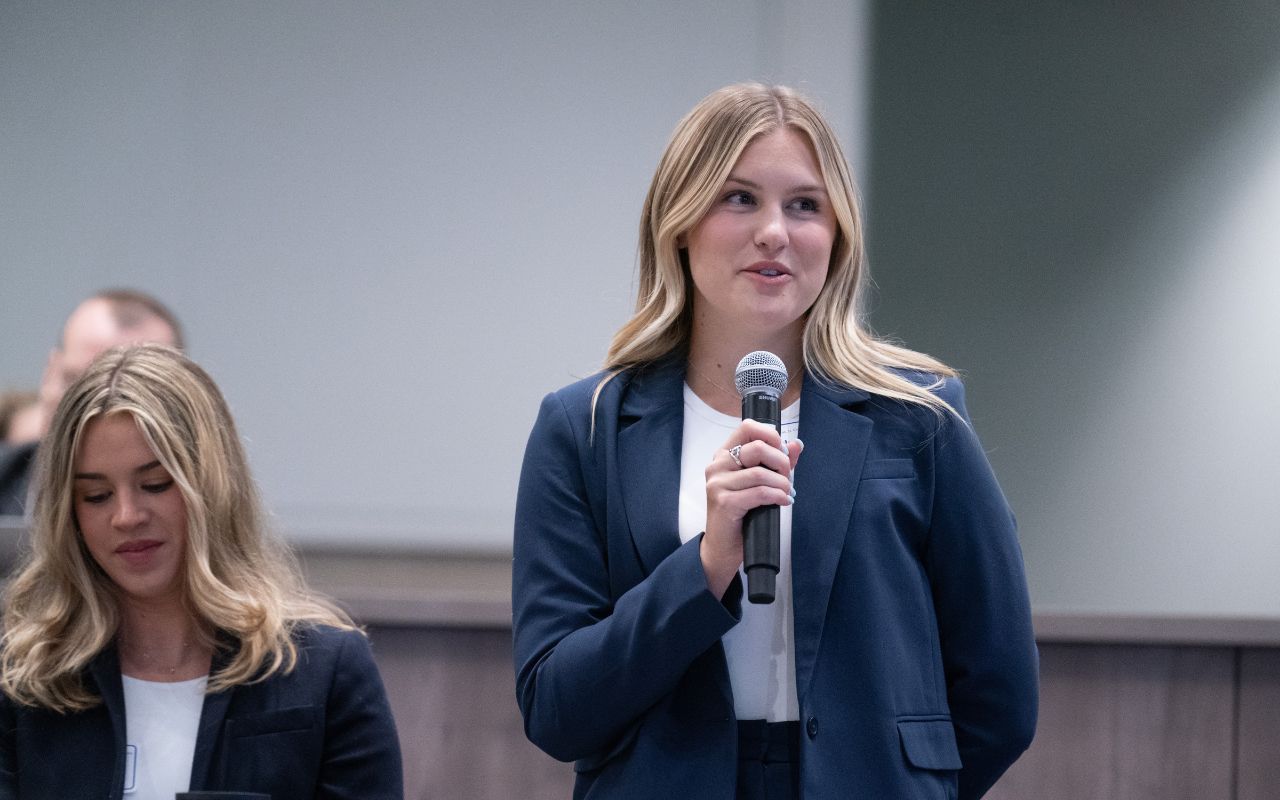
793	494
785	450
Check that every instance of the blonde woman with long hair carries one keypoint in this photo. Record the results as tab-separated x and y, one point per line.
897	659
157	639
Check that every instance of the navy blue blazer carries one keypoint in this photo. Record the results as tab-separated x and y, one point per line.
323	731
916	668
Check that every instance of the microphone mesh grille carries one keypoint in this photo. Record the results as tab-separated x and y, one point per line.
760	371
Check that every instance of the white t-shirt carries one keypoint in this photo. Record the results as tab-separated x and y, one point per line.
161	723
760	649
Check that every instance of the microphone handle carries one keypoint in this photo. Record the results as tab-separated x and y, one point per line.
762	525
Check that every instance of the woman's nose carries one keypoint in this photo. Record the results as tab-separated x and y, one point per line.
129	512
771	234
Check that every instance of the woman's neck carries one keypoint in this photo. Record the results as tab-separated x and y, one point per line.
713	361
162	643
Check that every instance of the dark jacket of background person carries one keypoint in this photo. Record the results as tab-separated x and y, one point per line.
323	731
915	663
16	465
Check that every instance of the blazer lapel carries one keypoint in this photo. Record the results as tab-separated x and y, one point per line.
651	426
105	669
835	447
212	715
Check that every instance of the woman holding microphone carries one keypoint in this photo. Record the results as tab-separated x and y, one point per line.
897	659
158	640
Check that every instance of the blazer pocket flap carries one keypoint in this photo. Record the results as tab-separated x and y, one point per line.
298	718
929	743
882	468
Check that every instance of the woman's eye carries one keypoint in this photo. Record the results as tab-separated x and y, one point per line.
739	198
806	204
157	488
95	498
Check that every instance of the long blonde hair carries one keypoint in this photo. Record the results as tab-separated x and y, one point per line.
239	582
838	345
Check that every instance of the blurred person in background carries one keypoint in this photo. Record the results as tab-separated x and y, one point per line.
20	417
107	319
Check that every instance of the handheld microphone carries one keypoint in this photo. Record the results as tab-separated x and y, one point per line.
761	378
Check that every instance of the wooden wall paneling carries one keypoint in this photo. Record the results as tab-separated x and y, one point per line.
1117	722
453	695
1129	723
1259	737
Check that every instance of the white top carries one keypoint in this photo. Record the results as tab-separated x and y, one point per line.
161	722
760	648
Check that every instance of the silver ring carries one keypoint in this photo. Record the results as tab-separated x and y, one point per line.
733	453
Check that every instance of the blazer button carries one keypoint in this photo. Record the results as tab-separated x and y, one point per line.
812	727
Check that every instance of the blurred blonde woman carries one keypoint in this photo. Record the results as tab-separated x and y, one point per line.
157	639
897	658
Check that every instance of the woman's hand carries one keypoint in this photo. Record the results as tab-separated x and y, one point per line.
763	479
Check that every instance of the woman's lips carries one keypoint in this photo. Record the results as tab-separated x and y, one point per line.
769	271
138	552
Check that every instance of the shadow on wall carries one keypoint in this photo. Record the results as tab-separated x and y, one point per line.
1042	183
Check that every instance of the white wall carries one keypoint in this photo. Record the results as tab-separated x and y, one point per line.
389	227
1165	484
1079	205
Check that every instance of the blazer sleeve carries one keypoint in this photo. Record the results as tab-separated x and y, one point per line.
588	665
984	613
361	749
8	759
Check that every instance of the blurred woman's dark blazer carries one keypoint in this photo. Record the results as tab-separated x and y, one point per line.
323	731
915	663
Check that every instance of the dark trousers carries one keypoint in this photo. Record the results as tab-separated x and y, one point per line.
768	760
